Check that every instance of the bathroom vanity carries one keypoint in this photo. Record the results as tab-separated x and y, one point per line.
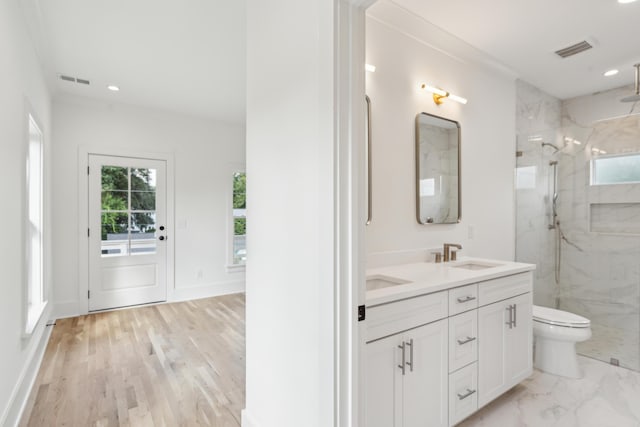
445	339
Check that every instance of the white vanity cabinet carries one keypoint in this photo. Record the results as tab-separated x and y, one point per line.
435	358
505	331
406	372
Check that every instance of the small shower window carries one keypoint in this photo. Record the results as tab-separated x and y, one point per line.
617	169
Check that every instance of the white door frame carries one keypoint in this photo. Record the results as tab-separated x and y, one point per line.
350	212
83	216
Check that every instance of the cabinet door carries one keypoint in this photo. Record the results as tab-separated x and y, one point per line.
384	383
492	350
504	350
426	382
519	345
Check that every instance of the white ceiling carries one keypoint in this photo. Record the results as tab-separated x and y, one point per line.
189	56
524	34
185	56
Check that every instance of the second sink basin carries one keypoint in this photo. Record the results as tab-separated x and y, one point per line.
379	281
474	265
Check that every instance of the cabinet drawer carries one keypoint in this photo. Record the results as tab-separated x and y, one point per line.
504	287
463	340
463	299
463	393
387	319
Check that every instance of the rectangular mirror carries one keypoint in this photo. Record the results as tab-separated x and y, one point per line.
437	170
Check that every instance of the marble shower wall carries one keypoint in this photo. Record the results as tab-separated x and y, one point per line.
599	274
600	278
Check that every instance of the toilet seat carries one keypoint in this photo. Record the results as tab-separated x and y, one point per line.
554	317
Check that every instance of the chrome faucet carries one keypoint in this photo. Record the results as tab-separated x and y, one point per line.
448	255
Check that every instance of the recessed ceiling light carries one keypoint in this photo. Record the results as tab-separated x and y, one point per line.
611	73
113	88
626	1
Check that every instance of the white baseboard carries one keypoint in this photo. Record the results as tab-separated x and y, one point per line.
206	291
22	390
247	420
62	310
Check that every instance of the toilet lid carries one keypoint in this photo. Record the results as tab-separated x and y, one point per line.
559	317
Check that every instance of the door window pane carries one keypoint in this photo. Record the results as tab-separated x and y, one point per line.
143	233
115	200
128	203
143	189
115	234
115	178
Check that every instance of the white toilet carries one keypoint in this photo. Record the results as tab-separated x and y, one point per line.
556	333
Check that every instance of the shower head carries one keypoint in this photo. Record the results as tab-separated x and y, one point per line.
636	96
555	147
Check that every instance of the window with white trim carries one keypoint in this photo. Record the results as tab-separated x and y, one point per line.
239	244
35	297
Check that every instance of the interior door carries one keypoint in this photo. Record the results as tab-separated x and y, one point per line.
127	231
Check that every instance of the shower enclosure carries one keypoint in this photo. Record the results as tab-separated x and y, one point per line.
578	213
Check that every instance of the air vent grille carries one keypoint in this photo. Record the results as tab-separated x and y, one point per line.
574	49
74	79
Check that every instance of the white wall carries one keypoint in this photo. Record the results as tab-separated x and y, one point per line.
407	52
22	83
205	153
290	163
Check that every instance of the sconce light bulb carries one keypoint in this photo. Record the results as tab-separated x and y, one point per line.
457	98
435	90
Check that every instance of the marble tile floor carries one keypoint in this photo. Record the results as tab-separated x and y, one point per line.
607	342
607	396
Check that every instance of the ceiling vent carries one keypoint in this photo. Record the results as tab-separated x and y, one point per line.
574	49
74	79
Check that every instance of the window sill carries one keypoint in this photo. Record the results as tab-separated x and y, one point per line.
33	318
236	268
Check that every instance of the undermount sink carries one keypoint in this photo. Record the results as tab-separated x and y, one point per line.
379	282
474	265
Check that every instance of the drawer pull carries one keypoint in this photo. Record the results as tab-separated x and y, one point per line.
465	395
466	299
467	340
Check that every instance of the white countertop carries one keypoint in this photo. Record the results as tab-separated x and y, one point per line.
428	277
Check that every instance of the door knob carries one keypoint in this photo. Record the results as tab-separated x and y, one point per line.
161	237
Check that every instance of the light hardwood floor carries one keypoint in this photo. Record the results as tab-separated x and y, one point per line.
180	364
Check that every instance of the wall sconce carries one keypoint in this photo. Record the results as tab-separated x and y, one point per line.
439	95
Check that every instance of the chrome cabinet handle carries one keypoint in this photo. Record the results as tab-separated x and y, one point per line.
467	340
510	322
465	395
402	365
466	299
410	362
515	316
369	162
